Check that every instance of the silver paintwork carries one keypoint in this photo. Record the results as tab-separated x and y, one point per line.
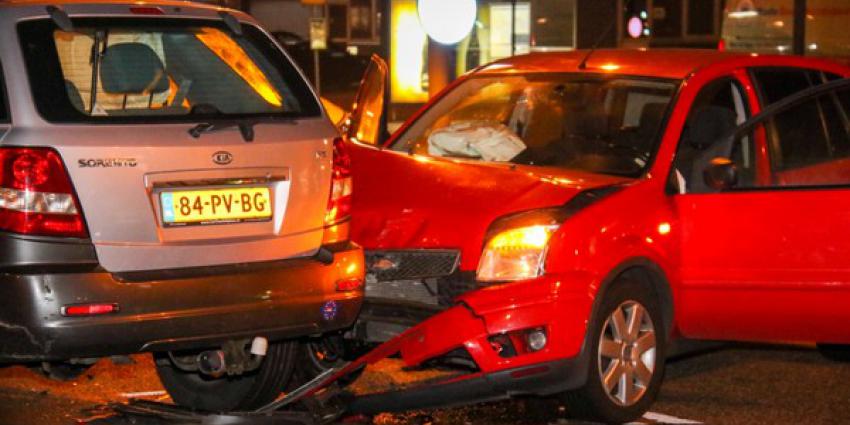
626	355
119	203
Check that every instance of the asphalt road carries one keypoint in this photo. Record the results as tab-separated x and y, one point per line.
741	384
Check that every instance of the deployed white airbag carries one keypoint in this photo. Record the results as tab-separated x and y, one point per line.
486	140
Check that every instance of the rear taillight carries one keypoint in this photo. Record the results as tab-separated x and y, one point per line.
339	203
36	196
721	45
88	309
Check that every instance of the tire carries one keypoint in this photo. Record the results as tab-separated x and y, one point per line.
229	393
64	371
639	363
317	355
835	352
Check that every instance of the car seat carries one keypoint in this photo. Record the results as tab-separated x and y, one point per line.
703	141
132	69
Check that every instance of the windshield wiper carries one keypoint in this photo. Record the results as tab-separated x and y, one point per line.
98	51
246	128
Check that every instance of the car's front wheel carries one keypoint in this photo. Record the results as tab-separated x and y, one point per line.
626	342
247	391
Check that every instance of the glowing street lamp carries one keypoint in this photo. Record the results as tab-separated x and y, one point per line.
447	21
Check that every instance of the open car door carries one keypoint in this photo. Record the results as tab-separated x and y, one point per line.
368	121
768	250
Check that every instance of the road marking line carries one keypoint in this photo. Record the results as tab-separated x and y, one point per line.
667	419
143	394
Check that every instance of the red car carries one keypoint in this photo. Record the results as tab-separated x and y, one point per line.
568	214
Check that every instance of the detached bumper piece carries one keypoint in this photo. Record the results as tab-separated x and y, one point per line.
179	415
543	379
327	407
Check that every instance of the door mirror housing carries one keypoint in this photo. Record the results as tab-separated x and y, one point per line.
721	174
367	123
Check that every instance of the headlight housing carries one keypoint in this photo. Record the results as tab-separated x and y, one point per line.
515	254
515	246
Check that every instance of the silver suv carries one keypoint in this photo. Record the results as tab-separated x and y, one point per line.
168	183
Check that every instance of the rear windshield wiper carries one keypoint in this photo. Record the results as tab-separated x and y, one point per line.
245	126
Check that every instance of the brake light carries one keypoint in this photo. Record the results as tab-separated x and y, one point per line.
36	196
348	285
339	203
721	45
88	309
142	10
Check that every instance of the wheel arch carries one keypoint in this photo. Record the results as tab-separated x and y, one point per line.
646	271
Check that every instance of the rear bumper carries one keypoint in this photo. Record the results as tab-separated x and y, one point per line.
277	300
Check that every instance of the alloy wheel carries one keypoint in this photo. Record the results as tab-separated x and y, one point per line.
627	353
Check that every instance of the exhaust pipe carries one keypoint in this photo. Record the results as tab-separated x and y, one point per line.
212	363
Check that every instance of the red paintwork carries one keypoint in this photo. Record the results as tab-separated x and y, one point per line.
767	265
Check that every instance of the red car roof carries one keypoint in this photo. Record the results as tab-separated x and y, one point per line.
662	63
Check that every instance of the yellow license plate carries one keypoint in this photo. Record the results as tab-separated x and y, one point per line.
215	206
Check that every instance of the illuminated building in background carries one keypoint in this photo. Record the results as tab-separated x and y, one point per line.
504	28
408	71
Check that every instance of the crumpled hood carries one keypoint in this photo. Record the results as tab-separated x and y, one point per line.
406	201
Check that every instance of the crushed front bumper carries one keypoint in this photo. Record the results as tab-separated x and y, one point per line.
469	328
177	309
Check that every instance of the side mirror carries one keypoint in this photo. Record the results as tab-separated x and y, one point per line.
721	174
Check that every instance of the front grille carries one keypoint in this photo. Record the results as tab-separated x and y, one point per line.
391	307
411	264
432	291
419	291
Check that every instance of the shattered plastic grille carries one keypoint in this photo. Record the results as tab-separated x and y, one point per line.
406	290
433	291
411	264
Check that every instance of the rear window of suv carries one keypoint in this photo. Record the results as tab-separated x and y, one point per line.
126	70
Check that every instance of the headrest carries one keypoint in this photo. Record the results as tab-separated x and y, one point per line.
593	123
74	96
132	68
650	117
708	124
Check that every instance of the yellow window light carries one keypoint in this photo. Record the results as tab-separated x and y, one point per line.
408	50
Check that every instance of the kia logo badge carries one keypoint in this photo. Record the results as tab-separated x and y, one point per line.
222	157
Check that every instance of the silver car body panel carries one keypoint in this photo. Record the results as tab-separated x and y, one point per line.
119	203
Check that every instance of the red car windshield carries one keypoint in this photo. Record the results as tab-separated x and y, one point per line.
601	124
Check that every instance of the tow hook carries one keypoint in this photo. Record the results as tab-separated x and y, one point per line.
233	358
212	363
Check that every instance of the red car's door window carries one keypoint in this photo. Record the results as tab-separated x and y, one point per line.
814	143
718	108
